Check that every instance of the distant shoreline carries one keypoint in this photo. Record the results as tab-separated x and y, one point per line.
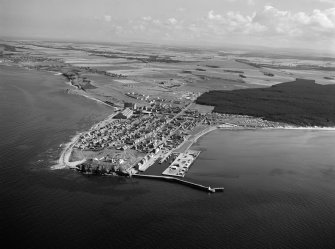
304	128
193	139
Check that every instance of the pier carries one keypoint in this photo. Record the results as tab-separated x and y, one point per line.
181	164
183	182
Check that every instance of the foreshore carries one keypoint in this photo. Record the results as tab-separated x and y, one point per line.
81	92
289	127
204	132
193	139
64	159
65	156
310	128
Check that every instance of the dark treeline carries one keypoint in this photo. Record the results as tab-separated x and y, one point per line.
301	102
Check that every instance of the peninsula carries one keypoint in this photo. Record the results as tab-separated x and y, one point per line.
162	99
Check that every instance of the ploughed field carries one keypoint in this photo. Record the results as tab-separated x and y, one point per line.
301	102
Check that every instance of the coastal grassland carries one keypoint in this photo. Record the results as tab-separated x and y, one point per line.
108	73
302	103
123	159
322	77
203	109
320	69
6	47
223	63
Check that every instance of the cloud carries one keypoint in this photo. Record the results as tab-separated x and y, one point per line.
212	16
172	21
233	22
275	22
147	18
332	2
107	18
251	2
269	25
314	24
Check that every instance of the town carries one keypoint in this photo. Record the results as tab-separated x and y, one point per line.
135	138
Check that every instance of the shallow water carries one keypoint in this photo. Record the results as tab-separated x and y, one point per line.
279	185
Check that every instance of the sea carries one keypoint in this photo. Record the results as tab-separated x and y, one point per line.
279	184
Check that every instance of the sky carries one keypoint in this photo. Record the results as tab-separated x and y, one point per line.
308	24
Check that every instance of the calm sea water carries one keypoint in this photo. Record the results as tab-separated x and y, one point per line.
280	185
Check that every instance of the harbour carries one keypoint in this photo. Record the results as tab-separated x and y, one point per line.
181	164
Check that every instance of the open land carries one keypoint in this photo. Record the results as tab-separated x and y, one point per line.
164	98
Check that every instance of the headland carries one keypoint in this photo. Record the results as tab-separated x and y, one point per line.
160	105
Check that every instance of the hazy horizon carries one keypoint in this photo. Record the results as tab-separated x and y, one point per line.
301	25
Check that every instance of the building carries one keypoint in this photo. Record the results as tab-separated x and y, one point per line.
125	114
130	105
300	80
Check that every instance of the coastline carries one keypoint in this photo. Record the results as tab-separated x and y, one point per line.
65	155
299	128
193	139
213	128
203	133
92	98
64	158
310	128
79	92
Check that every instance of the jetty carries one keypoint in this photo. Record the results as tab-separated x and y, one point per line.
183	182
181	164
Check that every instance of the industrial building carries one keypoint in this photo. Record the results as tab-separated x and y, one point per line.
130	105
125	114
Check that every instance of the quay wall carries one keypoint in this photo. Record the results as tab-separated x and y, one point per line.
183	182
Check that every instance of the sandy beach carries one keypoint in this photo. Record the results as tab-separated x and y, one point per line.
301	128
64	159
81	93
310	128
193	139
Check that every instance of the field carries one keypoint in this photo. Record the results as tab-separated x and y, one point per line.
175	74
